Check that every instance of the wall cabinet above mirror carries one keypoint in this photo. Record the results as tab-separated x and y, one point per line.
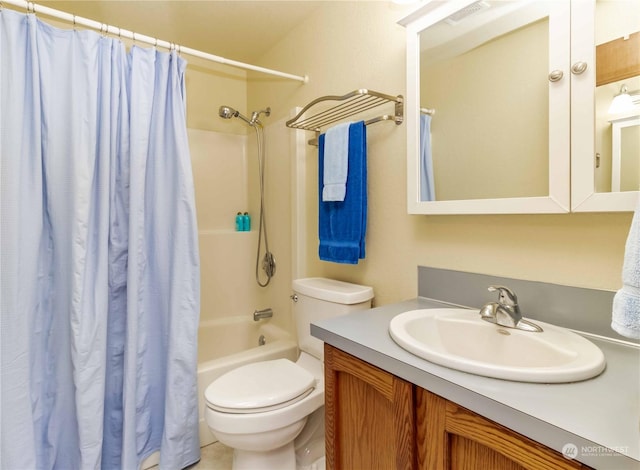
497	109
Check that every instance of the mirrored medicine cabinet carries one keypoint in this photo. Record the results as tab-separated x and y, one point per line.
514	110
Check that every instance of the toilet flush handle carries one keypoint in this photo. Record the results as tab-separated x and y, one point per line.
294	297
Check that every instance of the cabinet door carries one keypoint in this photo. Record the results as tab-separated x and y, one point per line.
500	85
452	437
369	415
601	23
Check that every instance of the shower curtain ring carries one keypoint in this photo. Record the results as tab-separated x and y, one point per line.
155	44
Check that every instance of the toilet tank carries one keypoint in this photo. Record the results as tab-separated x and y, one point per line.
317	298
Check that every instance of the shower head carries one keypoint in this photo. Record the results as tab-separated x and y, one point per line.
227	112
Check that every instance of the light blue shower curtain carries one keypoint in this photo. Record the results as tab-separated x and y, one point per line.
99	259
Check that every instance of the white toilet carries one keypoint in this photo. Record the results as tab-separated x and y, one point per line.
272	412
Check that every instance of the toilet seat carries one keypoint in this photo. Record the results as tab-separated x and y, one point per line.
260	387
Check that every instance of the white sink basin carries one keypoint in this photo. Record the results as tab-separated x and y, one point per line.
460	339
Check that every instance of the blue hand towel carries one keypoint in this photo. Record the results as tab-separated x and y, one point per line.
336	162
626	302
343	224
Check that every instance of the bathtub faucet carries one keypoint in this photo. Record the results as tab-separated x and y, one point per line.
261	314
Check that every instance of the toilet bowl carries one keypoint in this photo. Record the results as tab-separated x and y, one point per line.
272	412
262	431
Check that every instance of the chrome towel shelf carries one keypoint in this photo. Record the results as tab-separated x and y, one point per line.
328	112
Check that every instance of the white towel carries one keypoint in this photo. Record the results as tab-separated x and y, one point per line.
626	302
336	162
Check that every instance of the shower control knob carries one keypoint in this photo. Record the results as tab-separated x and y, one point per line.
555	75
294	297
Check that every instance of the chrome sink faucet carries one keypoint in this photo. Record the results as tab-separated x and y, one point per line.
506	311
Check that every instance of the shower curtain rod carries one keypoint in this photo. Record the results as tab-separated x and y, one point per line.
136	37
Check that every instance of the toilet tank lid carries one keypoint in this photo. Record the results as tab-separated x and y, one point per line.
333	291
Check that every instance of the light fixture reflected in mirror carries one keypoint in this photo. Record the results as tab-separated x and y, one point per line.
622	102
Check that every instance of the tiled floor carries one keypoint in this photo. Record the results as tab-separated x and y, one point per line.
214	457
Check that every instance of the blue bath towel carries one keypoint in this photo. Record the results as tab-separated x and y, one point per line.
626	302
343	224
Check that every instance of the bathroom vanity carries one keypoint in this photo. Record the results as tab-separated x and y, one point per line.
387	408
378	420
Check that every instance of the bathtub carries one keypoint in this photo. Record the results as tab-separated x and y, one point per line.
230	342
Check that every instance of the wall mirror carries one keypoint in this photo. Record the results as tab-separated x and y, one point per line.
606	162
493	125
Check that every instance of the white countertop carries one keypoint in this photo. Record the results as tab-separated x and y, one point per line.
600	416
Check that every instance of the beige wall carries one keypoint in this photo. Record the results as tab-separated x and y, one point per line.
350	45
210	85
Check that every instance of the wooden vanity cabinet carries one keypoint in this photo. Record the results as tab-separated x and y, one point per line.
375	420
369	415
457	438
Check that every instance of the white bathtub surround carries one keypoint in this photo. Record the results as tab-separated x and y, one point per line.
226	181
220	176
